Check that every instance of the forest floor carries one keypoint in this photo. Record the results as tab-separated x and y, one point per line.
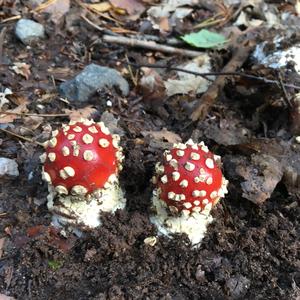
251	118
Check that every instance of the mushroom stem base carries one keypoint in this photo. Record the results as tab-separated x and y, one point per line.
194	225
84	211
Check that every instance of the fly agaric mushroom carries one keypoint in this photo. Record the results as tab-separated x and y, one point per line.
188	184
81	166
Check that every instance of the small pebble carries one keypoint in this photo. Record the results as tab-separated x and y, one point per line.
8	167
28	31
151	241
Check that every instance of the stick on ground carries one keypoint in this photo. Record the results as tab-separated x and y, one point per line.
132	42
210	96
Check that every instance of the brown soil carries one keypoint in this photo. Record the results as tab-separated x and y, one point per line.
250	251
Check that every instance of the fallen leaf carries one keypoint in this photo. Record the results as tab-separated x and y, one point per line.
61	72
22	69
228	131
204	39
168	13
18	100
57	9
152	86
164	24
52	236
168	6
13	113
33	122
261	177
288	154
132	7
100	7
7	230
9	270
35	231
163	135
187	83
85	113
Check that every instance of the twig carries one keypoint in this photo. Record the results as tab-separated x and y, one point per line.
142	37
13	18
2	36
210	96
169	41
43	6
33	115
209	22
22	137
133	42
104	30
285	94
88	8
207	74
133	78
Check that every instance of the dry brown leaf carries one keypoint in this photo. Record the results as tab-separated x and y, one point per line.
33	122
8	275
61	72
57	9
164	24
52	236
152	85
186	83
17	99
163	135
168	13
22	69
261	176
100	7
132	7
76	115
286	153
13	113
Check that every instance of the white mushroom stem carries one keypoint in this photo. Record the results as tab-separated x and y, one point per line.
194	225
84	210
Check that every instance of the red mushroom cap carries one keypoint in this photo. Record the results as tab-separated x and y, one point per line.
81	157
190	179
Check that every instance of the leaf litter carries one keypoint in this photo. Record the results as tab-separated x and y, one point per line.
248	125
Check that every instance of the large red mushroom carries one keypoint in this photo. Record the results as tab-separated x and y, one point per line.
81	165
188	184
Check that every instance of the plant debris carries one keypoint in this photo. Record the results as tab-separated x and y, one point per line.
235	86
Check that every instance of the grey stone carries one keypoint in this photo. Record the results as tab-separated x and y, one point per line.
8	167
91	79
29	31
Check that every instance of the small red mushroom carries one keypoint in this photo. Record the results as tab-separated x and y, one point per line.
189	183
81	165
